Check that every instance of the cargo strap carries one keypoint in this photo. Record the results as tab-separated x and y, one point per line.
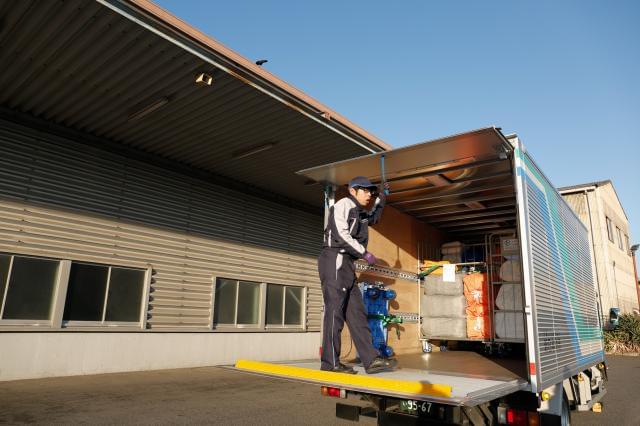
386	319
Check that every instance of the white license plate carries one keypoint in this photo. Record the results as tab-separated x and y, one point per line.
415	407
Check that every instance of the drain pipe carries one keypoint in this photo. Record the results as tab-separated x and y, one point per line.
593	246
635	270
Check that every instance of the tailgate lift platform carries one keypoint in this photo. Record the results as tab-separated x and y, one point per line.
454	378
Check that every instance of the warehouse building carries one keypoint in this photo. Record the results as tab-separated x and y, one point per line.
150	214
598	206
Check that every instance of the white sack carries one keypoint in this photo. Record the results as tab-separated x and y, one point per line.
509	297
509	325
510	271
433	285
452	258
444	327
444	306
454	247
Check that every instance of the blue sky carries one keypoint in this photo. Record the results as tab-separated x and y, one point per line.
563	75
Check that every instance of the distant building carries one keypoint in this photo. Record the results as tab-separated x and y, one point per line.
599	208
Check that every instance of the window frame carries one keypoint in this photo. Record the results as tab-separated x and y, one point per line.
619	235
303	306
628	247
262	308
58	300
235	326
57	297
610	229
142	320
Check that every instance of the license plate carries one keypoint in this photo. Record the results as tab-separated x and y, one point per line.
415	407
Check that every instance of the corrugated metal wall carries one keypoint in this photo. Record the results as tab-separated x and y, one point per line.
567	328
62	199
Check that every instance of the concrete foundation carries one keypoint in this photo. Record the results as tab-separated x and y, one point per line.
37	355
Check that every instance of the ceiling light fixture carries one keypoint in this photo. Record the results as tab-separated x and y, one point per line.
243	153
204	79
148	109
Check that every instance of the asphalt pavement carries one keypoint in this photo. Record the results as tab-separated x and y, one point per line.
226	397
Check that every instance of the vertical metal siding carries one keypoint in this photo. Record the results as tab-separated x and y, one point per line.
564	299
62	199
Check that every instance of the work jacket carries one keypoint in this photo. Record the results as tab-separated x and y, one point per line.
348	225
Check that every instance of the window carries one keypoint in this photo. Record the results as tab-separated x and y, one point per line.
609	229
257	305
619	233
27	287
284	305
54	292
104	294
237	303
626	241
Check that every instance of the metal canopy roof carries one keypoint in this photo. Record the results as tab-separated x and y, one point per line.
460	184
124	72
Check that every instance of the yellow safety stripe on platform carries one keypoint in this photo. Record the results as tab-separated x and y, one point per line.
328	377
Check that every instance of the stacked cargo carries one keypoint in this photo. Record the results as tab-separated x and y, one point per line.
508	316
452	252
443	307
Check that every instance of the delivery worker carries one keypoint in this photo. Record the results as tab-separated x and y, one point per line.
345	240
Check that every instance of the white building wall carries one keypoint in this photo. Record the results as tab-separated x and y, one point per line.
613	265
37	355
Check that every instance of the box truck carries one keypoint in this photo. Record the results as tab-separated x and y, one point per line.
495	317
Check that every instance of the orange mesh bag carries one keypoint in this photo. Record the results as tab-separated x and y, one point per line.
477	310
478	316
479	327
475	289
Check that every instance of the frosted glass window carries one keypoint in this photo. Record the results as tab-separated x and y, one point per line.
609	229
125	295
248	303
30	289
275	301
5	262
92	287
85	292
293	306
224	311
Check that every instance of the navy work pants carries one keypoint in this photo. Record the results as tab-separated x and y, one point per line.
342	302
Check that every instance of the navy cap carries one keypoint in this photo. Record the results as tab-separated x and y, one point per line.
361	182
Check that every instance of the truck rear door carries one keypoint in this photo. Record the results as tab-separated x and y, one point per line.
563	328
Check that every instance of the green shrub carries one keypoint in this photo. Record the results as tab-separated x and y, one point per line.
626	337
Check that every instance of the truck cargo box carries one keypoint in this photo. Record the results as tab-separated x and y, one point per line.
478	200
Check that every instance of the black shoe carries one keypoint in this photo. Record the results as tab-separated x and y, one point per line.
381	364
341	368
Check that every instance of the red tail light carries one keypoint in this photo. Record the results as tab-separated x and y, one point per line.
336	392
517	417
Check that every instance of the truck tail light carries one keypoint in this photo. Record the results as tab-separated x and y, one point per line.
517	417
522	417
336	392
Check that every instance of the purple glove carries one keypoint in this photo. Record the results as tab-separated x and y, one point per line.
371	259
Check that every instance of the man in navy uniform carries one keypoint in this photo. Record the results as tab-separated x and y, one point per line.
345	240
